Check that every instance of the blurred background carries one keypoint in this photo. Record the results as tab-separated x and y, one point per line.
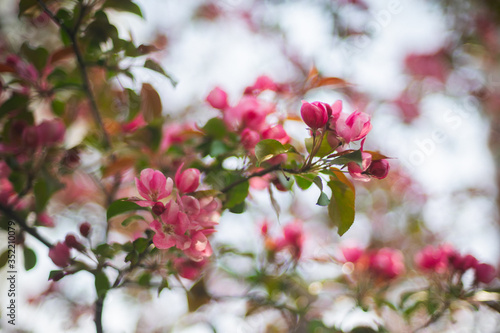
427	72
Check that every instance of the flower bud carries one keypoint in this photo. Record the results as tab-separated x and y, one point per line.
158	208
217	98
379	169
249	138
313	115
485	273
72	242
60	254
188	180
85	229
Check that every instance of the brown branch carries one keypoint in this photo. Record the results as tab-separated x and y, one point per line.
98	313
72	34
22	223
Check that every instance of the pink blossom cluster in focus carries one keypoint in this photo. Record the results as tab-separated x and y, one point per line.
182	221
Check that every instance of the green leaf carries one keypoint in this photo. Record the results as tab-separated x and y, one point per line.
131	219
197	296
341	207
29	258
102	284
218	148
154	66
25	5
163	285
53	274
237	194
354	156
215	128
18	180
37	56
323	200
104	250
124	6
323	150
144	279
304	181
16	101
3	258
267	149
122	206
141	244
42	194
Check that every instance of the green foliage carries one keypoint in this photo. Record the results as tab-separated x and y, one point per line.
121	206
267	149
341	207
237	195
29	258
102	284
124	6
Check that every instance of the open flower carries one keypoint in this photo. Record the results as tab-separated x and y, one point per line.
353	127
152	186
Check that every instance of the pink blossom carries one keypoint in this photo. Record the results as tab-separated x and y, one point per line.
189	269
4	170
134	124
51	132
293	239
153	186
188	180
276	132
45	220
336	111
387	262
262	83
379	169
250	113
359	172
485	273
434	259
170	230
60	254
200	246
352	254
315	115
217	98
463	263
353	127
249	138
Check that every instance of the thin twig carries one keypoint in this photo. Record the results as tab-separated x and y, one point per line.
72	34
22	223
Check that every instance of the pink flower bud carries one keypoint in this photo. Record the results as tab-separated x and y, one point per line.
59	254
313	115
217	98
85	229
158	208
387	262
188	180
45	220
379	169
51	132
463	263
72	242
249	138
485	273
352	254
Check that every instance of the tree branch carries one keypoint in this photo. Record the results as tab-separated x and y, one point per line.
98	313
72	34
22	223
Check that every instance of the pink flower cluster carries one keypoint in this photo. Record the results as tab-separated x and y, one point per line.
292	239
385	263
445	258
28	74
28	138
183	221
342	128
249	117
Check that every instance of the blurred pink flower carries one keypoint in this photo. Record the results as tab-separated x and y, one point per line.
387	262
60	254
217	98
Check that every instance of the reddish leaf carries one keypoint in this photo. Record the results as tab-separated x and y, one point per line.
61	54
4	68
150	103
